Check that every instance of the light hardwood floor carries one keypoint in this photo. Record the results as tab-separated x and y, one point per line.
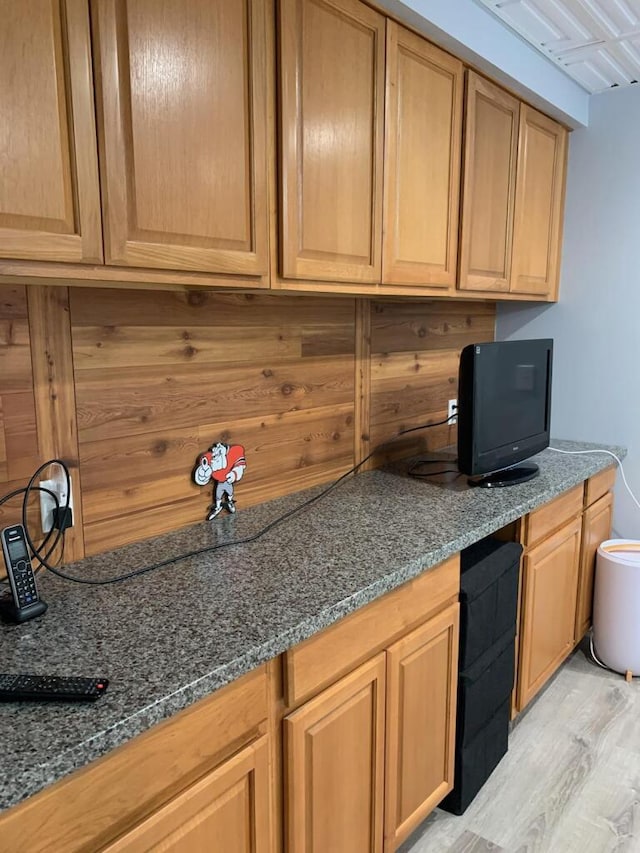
570	782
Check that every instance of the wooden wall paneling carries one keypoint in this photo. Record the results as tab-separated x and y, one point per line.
18	434
143	481
331	137
104	307
55	399
200	141
4	468
115	403
430	324
415	354
408	391
276	374
363	382
49	193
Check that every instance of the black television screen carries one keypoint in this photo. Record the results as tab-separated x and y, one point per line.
504	408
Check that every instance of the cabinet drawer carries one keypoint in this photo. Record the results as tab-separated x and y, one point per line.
599	485
98	803
543	521
320	660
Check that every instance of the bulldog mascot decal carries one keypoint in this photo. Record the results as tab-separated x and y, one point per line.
224	464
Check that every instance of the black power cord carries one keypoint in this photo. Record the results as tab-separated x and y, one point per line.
43	561
210	548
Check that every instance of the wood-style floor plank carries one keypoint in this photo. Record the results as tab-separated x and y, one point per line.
570	782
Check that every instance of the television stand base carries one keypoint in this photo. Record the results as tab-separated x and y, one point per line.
506	477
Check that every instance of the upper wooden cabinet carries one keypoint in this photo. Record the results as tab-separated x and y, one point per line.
182	121
491	144
539	204
176	182
331	113
422	161
513	192
49	192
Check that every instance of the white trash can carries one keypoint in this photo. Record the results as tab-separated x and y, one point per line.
616	605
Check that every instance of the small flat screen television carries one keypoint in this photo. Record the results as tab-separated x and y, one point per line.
504	409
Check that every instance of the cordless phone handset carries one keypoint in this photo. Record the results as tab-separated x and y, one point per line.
25	602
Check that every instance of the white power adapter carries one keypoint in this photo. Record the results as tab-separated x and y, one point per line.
47	504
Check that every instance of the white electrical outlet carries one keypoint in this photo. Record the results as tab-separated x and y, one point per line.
47	504
452	409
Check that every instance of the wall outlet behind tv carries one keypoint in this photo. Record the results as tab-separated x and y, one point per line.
452	410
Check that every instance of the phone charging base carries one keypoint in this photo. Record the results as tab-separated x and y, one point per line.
14	615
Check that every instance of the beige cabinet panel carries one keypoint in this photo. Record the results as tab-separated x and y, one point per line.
548	608
596	528
227	810
542	151
422	161
331	115
334	758
182	97
490	153
49	190
422	679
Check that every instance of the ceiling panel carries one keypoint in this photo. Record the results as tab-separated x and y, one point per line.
597	42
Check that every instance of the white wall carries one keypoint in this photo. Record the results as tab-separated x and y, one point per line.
596	324
473	33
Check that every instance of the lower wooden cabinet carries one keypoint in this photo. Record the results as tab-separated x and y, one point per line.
335	764
201	774
352	768
596	528
421	701
547	619
227	810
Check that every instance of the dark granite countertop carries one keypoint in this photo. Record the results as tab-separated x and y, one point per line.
172	636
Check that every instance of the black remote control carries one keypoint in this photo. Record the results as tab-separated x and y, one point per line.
46	688
25	603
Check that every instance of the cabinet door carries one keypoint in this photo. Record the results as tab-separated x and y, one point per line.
182	92
332	111
421	715
596	528
227	810
422	161
539	204
490	149
334	755
49	191
548	608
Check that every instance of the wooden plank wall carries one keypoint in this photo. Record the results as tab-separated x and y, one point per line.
133	385
415	354
19	455
162	376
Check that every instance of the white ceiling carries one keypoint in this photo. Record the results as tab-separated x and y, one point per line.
597	42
